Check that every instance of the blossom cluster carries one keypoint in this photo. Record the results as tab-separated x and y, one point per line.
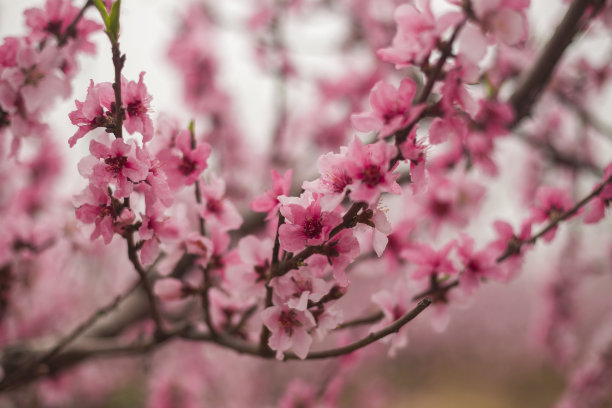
400	184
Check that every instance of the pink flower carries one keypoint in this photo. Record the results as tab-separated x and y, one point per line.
137	103
418	33
155	188
508	240
506	19
428	261
415	151
347	249
248	277
550	204
184	164
216	207
306	224
90	114
451	200
394	306
97	209
268	201
298	287
55	19
155	228
289	329
119	165
477	266
368	167
392	109
334	181
35	76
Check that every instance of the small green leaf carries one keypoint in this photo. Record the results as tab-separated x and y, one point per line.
113	29
102	9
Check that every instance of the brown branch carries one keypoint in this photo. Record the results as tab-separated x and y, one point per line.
514	247
244	347
537	78
146	284
447	50
372	337
38	364
373	318
118	62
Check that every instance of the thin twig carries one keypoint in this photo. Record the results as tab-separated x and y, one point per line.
265	332
515	248
373	318
70	30
146	284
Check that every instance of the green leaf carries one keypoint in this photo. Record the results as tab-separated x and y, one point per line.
113	29
102	9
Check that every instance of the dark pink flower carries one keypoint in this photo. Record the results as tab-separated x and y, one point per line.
137	103
334	181
550	204
289	329
216	207
430	262
347	248
368	167
91	113
156	227
506	19
298	287
184	164
55	19
97	209
418	33
392	109
477	266
119	165
306	223
268	201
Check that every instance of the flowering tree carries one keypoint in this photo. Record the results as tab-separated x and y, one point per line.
208	255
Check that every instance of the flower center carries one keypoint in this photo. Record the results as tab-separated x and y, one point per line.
136	108
4	119
372	176
340	181
473	266
302	285
54	27
115	164
214	206
105	211
440	208
312	227
32	76
288	321
187	166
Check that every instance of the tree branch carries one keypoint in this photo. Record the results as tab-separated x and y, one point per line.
536	79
